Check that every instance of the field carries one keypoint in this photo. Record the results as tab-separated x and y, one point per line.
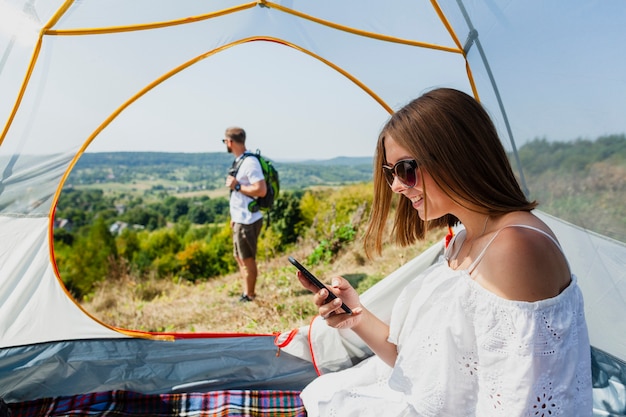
213	306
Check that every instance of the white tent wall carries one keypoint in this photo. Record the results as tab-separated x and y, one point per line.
68	77
34	308
557	67
599	264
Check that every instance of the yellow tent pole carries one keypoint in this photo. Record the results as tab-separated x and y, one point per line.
147	26
20	94
346	74
454	36
31	66
58	14
361	32
245	6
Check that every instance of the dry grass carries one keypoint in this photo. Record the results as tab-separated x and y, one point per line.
212	306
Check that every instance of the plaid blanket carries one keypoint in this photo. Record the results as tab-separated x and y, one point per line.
230	403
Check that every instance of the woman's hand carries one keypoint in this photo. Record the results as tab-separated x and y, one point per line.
367	326
332	311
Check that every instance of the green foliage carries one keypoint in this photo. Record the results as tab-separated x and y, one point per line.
89	259
127	244
286	219
367	283
324	211
220	245
81	206
201	259
540	155
157	250
328	248
144	216
333	219
583	182
197	252
194	260
285	225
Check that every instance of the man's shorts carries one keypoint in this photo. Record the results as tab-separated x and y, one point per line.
245	237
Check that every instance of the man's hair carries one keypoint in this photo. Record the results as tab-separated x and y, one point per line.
451	136
236	134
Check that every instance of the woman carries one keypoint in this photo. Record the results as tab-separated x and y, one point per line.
496	327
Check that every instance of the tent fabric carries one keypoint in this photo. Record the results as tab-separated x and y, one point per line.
75	74
28	300
202	364
609	384
609	400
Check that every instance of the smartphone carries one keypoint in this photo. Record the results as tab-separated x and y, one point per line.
308	275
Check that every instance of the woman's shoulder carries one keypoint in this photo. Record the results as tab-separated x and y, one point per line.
524	261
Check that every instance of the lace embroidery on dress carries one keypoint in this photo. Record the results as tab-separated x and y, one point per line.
550	336
496	398
547	403
434	401
582	384
468	364
430	346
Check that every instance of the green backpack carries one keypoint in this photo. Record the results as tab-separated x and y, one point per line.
271	179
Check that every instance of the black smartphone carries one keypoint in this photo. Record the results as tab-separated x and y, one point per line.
318	283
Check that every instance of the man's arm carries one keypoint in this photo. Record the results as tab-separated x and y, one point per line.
258	189
252	171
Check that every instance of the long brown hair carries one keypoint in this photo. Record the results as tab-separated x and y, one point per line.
451	136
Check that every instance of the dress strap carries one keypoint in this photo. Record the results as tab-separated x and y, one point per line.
525	226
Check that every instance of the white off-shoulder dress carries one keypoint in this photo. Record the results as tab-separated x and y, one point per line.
464	351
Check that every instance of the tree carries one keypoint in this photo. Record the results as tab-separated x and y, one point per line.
89	260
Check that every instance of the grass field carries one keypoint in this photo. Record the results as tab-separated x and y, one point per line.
213	306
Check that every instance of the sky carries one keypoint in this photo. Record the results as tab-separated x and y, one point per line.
560	81
292	108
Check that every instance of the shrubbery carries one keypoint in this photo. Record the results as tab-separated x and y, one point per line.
187	250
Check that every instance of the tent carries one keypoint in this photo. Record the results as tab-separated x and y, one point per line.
75	74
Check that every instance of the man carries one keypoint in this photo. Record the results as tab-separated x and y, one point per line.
246	183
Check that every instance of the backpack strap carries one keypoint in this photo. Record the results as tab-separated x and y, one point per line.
237	163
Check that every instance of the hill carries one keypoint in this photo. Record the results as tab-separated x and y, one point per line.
582	181
184	172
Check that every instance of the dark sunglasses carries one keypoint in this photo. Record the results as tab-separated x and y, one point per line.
224	140
405	170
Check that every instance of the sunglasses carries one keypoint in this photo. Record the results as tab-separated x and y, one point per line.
224	140
405	170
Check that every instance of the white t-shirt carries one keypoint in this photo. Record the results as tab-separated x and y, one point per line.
249	172
464	351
